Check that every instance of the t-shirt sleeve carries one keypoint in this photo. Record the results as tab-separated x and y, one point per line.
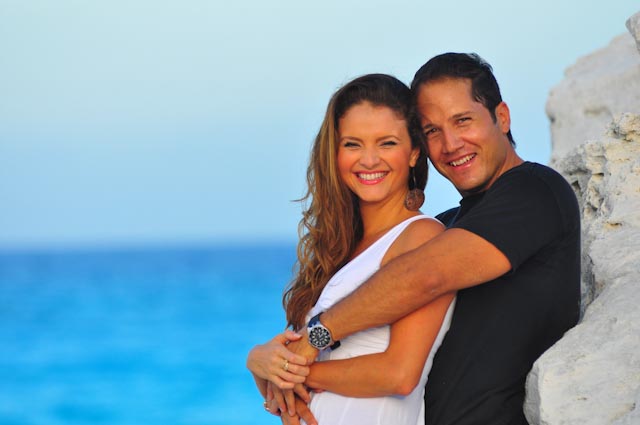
519	215
448	217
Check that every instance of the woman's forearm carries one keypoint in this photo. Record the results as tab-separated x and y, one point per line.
398	369
363	376
261	384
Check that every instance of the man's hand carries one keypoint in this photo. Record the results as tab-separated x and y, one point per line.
275	363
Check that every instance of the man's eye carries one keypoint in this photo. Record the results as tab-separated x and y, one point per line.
430	132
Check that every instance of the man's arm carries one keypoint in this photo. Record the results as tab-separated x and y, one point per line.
453	260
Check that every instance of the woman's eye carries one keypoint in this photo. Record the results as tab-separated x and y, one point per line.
349	145
389	143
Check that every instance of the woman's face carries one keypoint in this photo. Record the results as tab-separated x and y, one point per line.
375	153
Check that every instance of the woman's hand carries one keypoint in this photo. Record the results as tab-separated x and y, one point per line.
285	401
300	408
273	362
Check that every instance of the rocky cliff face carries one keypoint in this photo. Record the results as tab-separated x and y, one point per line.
592	375
597	88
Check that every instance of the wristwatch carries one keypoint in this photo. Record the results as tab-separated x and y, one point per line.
319	335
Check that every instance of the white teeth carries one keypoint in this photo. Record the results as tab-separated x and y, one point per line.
462	160
371	176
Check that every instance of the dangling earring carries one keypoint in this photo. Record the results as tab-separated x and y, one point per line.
415	196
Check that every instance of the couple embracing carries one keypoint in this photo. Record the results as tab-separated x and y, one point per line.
405	319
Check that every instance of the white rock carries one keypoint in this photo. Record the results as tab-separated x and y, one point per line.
592	375
597	88
633	25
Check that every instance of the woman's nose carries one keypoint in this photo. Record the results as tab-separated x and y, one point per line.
370	157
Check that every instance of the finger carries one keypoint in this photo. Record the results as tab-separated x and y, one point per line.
303	348
282	359
290	399
305	413
292	357
264	360
291	335
269	396
269	403
272	407
280	339
278	371
282	369
290	420
298	370
283	385
302	392
291	378
295	359
279	399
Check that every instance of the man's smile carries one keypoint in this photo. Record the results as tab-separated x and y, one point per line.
462	161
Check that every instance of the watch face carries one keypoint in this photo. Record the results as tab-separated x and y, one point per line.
319	337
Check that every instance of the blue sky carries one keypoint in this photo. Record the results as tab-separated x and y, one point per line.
151	122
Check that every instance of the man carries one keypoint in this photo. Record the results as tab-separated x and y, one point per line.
511	250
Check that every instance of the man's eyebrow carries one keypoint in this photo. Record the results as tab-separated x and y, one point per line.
459	115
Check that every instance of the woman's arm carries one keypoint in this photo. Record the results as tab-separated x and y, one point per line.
261	384
396	371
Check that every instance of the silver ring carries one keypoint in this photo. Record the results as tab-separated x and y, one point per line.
286	366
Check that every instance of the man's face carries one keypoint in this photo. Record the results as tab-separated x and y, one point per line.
465	145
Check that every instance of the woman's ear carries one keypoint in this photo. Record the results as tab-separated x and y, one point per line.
413	159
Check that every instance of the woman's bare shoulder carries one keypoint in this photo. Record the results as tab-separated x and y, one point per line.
420	231
415	234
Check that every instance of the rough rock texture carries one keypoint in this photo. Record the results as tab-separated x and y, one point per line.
633	24
592	375
597	88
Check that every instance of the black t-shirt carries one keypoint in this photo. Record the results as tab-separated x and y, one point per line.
501	327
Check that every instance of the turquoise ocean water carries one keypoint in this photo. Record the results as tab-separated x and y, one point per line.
135	337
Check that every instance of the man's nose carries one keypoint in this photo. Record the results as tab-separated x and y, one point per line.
452	141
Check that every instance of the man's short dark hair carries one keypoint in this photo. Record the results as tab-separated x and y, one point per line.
484	87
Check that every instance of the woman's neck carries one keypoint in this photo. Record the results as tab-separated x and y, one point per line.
379	219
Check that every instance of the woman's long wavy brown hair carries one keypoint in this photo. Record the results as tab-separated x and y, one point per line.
331	226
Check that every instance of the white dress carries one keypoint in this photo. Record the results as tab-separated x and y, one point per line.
333	409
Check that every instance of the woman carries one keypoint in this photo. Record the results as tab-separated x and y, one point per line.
365	180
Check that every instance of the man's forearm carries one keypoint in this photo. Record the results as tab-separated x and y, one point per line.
453	260
399	288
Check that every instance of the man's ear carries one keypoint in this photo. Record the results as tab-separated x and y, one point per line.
503	117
